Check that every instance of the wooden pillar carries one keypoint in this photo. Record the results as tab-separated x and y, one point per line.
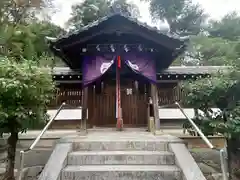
154	95
118	96
147	100
84	109
151	122
148	117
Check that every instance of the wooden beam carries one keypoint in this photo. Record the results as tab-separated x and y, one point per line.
154	95
68	81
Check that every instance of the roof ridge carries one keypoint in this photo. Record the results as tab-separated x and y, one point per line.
130	18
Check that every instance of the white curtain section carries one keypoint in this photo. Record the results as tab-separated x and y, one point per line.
133	66
105	66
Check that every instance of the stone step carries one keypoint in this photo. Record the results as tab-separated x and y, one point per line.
121	172
121	157
120	145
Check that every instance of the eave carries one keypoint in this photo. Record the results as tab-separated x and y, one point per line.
66	75
63	46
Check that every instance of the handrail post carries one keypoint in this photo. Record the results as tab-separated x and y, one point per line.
205	139
20	173
223	164
22	153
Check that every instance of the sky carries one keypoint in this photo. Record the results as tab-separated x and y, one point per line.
215	8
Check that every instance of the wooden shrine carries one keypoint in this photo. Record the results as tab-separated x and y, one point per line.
120	94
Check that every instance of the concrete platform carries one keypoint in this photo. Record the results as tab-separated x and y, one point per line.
50	137
57	134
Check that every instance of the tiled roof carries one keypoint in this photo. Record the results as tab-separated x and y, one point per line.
103	19
65	71
191	70
66	47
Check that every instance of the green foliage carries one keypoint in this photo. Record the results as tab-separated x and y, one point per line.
22	35
214	88
219	91
27	41
92	10
87	12
228	27
39	31
207	51
203	123
25	91
183	17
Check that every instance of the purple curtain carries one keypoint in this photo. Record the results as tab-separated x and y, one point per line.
95	66
142	64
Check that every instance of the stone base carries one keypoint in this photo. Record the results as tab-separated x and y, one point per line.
108	155
151	124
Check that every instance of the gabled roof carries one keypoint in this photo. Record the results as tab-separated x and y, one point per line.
120	29
103	20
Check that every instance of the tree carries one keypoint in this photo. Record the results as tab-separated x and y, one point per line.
210	51
38	31
21	37
219	91
27	41
184	17
20	10
25	91
92	10
219	44
228	27
25	88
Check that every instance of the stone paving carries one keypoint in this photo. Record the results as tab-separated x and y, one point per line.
60	133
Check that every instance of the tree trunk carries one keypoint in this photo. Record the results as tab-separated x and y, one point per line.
233	157
11	150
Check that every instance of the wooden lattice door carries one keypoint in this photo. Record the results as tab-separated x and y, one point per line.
134	104
103	105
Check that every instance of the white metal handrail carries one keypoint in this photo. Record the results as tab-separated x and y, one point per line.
205	139
22	153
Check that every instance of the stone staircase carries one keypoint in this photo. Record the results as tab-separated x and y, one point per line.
112	158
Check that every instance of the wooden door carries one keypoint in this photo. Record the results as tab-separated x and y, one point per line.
103	103
134	104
